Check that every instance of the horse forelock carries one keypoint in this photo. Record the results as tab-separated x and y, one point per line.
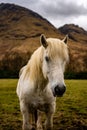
58	48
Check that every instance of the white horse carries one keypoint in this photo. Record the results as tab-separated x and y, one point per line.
41	80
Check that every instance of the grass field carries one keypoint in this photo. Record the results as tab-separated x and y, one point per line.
71	111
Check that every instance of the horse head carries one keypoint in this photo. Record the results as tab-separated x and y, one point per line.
55	58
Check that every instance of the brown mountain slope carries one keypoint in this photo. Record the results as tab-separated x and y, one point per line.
18	26
78	46
75	32
20	29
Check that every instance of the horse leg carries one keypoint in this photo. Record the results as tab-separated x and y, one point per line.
49	117
25	113
49	121
39	122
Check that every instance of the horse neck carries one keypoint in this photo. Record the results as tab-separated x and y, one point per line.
35	64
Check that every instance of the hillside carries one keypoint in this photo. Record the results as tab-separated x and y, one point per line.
19	25
20	29
75	32
78	47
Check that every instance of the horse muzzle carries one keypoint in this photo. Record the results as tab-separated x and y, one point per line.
59	91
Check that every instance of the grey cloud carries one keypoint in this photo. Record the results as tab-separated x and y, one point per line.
50	8
64	9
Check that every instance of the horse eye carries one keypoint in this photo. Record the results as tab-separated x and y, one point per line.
47	58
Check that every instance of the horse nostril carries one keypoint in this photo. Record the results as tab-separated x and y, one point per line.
57	89
60	90
64	88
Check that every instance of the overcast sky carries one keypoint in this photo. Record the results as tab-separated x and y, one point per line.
58	12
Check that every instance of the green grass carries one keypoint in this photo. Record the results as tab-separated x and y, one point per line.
71	112
71	109
9	108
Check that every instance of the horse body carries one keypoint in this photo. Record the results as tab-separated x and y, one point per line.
41	80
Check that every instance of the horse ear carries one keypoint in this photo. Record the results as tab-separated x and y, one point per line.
65	40
43	40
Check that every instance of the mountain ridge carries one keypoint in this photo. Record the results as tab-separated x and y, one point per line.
75	32
15	14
